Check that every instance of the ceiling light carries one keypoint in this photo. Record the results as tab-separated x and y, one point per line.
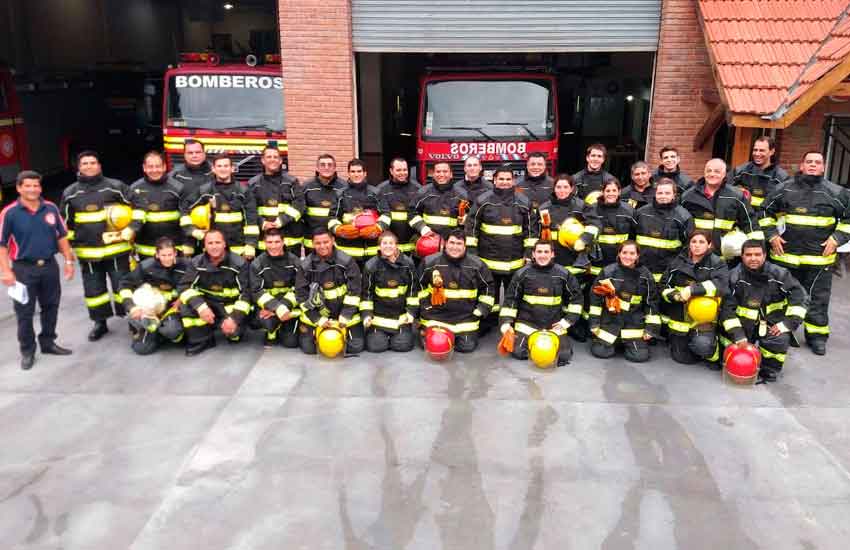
228	6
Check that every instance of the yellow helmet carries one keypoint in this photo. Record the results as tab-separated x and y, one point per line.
702	309
118	216
330	341
543	348
592	197
569	232
200	216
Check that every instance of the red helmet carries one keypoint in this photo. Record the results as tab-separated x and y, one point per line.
741	363
439	343
428	244
367	218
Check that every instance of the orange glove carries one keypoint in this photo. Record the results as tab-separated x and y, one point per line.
606	289
371	232
506	344
347	231
545	221
545	234
438	295
462	207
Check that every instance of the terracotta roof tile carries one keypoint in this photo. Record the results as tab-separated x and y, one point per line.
769	52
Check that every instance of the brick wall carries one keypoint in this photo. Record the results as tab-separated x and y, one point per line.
682	70
318	81
807	132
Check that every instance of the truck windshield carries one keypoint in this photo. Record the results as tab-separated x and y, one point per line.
215	102
476	110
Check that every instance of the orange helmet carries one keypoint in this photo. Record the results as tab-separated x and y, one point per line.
428	244
439	343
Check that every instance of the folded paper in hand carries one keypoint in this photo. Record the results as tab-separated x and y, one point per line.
18	292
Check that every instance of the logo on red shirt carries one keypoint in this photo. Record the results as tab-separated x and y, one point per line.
50	218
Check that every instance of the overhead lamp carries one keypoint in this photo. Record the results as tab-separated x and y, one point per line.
630	98
228	6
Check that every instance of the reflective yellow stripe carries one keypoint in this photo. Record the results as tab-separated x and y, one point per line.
636	299
456	328
729	324
95	253
710	289
126	294
606	336
815	329
631	333
591	229
334	293
574	308
497	265
292	241
509	312
843	227
227	292
523	328
159	217
139	215
228	217
406	247
747	313
657	277
398	216
268	211
290	211
795	311
350	300
90	217
770	308
318	212
391	292
595	270
188	294
678	326
652	242
97	301
612	239
726	225
810	221
189	322
251	230
460	293
795	259
353	251
145	250
70	235
653	319
765	354
444	221
412	301
367	305
756	201
384	322
489	300
264	299
542	300
767	222
576	270
472	241
595	310
501	229
703	224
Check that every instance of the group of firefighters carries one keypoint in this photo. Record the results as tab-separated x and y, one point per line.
335	265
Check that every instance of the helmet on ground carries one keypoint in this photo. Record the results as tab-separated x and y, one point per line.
439	343
200	216
702	309
543	348
364	219
330	341
151	300
118	216
731	244
569	232
428	244
741	363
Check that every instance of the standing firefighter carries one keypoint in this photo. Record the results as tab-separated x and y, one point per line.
279	205
692	288
149	295
640	191
98	214
501	229
396	197
473	183
330	295
537	184
669	168
456	290
214	293
442	205
610	222
320	197
156	203
589	181
624	308
816	213
662	228
355	216
542	296
275	275
760	177
195	172
390	298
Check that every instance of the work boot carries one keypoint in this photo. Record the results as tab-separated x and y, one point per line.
55	349
27	361
98	331
818	347
197	349
768	375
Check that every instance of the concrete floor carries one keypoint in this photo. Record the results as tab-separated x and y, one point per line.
243	448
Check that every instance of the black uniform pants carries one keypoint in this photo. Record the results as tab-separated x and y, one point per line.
465	342
379	340
198	332
170	329
818	283
697	345
95	289
634	350
43	285
284	333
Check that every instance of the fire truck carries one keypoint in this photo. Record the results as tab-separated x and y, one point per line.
501	117
14	154
232	108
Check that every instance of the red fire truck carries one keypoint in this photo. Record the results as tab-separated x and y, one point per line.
232	108
500	117
14	154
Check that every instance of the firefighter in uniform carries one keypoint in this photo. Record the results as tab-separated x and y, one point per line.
542	296
320	195
537	184
610	222
624	308
640	191
103	254
661	228
214	293
816	213
156	201
194	172
441	205
760	177
355	198
233	210
330	294
163	273
693	273
718	207
765	306
456	291
396	197
473	184
589	181
390	298
669	168
279	204
501	229
274	276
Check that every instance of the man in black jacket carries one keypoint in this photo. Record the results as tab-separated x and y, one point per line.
669	168
275	276
760	177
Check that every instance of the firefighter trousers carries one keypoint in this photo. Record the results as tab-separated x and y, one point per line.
634	350
354	339
283	332
379	340
170	329
197	331
565	348
696	346
465	342
817	280
97	297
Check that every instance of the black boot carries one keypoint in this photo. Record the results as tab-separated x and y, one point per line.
27	361
196	349
98	331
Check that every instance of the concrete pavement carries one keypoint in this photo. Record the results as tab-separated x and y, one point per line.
245	448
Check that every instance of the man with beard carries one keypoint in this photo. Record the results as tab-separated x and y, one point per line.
760	177
156	203
442	205
396	197
640	191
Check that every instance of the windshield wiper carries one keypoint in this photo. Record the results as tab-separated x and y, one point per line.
523	125
472	128
249	127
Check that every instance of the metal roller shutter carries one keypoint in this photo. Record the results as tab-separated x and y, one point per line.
467	26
